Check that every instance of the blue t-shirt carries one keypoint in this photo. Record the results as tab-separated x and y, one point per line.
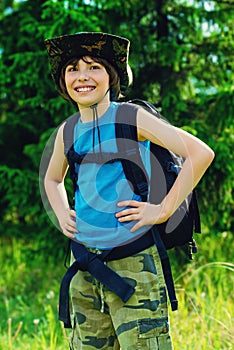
101	187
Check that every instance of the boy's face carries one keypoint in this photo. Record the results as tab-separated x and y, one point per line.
87	82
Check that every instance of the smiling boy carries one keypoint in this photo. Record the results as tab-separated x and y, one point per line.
91	71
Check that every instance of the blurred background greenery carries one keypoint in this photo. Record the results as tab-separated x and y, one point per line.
181	55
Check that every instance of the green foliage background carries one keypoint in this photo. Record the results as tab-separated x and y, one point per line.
182	59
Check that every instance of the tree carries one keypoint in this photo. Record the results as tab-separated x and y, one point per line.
181	58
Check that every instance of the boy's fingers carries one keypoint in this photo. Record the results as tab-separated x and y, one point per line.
136	227
133	229
72	229
126	212
72	213
128	218
69	231
71	222
129	203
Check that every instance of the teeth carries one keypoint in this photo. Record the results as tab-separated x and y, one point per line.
84	89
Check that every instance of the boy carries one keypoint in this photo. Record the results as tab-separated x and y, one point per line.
91	71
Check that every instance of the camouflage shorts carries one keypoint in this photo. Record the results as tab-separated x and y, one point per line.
102	321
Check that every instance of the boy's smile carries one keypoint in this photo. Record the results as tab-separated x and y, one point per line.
85	89
87	82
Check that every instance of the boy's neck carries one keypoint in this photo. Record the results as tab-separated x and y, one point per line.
86	113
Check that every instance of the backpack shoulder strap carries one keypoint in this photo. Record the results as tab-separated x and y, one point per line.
68	140
127	142
165	165
68	132
147	105
161	158
126	134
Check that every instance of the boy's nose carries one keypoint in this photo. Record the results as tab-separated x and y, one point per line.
83	75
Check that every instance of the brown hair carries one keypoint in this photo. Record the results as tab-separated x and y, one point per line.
113	76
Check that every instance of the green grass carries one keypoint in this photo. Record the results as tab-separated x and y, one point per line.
29	284
205	318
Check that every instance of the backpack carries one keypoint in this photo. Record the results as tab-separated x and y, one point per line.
178	230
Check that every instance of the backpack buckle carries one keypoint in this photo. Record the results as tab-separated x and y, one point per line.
173	168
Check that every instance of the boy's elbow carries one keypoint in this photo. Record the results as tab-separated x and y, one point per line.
208	155
202	156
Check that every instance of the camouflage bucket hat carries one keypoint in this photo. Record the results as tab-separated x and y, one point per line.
114	49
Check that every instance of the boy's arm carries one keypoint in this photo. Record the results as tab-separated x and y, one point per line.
55	189
198	156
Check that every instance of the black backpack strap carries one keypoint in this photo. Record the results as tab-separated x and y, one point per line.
196	213
127	142
147	105
94	263
166	267
68	132
97	158
126	113
68	140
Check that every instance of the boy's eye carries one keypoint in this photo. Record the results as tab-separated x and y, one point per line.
71	69
95	66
